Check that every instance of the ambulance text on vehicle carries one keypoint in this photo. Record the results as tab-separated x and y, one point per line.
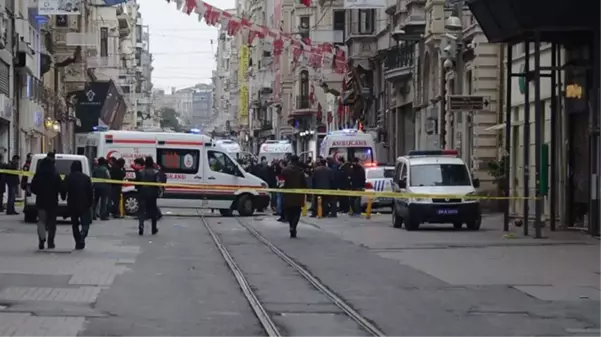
186	159
349	143
275	149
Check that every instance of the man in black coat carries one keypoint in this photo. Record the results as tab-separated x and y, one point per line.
357	184
117	171
148	195
79	192
47	186
322	180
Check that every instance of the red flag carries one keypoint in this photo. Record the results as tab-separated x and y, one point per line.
190	6
306	3
319	112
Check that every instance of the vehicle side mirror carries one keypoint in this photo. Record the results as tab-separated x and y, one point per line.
476	182
402	183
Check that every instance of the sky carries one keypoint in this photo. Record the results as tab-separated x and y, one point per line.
181	46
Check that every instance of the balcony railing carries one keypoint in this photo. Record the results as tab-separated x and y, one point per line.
303	102
399	61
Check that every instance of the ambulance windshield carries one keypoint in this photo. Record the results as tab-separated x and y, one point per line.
364	154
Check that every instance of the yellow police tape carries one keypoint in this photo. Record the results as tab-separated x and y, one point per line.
340	193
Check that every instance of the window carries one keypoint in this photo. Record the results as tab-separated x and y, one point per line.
304	26
304	83
470	82
62	21
178	160
220	162
104	42
364	154
440	175
339	23
367	21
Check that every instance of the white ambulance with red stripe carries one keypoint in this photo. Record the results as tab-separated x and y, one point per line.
186	159
350	143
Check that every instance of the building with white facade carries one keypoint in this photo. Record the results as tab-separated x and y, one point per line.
222	82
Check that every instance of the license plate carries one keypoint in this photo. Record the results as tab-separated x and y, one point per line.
385	199
447	211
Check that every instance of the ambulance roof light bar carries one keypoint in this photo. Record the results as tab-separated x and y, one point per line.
416	153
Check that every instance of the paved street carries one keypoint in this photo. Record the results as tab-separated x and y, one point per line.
177	283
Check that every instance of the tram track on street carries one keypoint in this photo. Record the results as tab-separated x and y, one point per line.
265	318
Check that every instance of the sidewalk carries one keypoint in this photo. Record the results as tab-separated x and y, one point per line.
563	266
52	292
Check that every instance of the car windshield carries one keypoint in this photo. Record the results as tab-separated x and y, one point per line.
440	175
63	166
364	154
379	173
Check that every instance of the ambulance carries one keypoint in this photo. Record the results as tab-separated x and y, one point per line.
186	159
349	143
275	149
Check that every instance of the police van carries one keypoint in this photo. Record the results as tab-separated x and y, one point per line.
189	160
349	144
437	173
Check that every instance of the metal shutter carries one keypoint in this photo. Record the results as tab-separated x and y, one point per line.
4	78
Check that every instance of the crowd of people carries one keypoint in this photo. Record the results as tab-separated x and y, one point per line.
322	174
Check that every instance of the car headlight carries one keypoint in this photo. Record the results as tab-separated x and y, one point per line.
469	197
421	200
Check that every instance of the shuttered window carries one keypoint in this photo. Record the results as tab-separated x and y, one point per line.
4	78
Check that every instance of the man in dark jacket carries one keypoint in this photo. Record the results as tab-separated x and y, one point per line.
357	184
47	186
12	186
79	192
344	183
294	178
102	190
148	195
24	179
117	171
322	180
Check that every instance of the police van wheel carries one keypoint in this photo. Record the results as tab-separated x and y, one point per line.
474	225
245	205
410	224
397	221
225	212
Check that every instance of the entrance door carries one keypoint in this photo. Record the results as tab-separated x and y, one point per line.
579	179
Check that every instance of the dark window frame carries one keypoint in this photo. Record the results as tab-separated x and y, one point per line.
181	153
104	42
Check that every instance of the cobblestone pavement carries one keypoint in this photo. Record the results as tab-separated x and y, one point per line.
176	283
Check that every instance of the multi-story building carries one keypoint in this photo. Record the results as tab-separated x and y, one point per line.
7	88
222	79
145	113
202	106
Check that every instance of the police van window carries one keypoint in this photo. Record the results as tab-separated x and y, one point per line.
220	162
178	160
440	175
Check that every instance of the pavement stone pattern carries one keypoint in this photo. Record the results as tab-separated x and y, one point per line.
75	279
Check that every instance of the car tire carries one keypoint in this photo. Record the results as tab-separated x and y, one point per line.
30	217
474	225
130	204
226	212
397	221
245	206
457	225
410	224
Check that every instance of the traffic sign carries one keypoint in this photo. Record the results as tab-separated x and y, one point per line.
458	103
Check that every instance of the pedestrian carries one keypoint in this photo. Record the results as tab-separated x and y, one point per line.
357	184
25	168
163	180
79	192
102	190
335	176
3	166
117	172
322	180
12	185
344	183
279	208
47	186
294	178
148	196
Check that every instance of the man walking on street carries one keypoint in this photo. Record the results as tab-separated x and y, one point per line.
47	186
148	196
357	184
102	190
322	180
79	192
12	185
294	178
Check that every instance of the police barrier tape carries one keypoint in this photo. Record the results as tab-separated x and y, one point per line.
340	193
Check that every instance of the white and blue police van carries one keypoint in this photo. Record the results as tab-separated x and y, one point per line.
442	174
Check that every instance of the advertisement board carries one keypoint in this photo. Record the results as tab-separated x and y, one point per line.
59	7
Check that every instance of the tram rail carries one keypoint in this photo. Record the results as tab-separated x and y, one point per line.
263	316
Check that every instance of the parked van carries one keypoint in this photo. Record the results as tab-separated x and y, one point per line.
349	144
435	173
186	159
63	167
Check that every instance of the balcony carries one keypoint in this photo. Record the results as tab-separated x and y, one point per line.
302	108
111	61
399	62
124	24
413	19
75	73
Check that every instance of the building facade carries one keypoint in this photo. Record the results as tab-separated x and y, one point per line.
202	106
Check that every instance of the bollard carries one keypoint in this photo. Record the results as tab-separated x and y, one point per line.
368	208
305	208
319	207
121	205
